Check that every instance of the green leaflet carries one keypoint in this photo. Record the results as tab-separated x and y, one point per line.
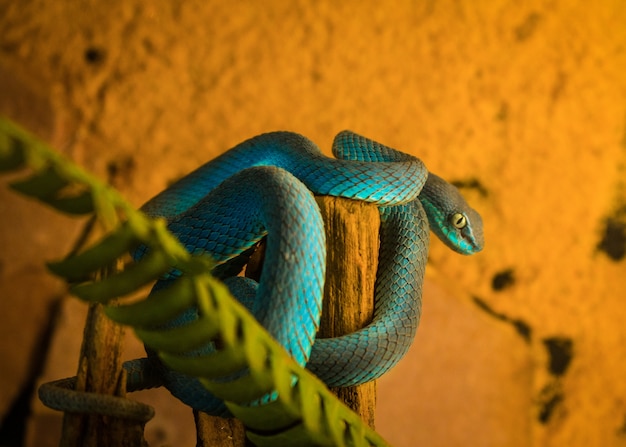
110	248
305	411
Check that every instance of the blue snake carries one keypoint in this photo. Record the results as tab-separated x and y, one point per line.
265	186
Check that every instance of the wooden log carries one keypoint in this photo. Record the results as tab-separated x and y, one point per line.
214	431
100	371
351	263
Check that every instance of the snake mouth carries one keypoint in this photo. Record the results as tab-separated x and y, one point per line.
470	244
465	248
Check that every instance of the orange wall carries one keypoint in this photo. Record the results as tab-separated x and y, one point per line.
524	100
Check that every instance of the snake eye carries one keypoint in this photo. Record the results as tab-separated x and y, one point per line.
458	220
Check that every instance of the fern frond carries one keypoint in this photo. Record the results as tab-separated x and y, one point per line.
304	412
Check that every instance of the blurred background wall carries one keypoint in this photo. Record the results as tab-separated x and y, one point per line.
522	104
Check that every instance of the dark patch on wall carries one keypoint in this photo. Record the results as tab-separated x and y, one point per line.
121	171
503	111
522	329
502	280
560	351
94	55
13	427
559	86
472	183
520	326
550	398
316	76
527	28
613	241
622	429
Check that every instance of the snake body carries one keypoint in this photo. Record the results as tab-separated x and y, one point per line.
264	187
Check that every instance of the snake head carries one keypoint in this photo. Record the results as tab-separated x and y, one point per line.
450	217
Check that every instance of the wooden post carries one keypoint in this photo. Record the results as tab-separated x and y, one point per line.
214	431
100	371
351	263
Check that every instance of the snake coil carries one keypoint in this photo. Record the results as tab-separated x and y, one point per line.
304	412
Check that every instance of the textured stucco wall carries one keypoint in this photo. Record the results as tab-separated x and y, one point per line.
523	103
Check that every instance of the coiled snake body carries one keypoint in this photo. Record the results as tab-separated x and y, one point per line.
264	187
